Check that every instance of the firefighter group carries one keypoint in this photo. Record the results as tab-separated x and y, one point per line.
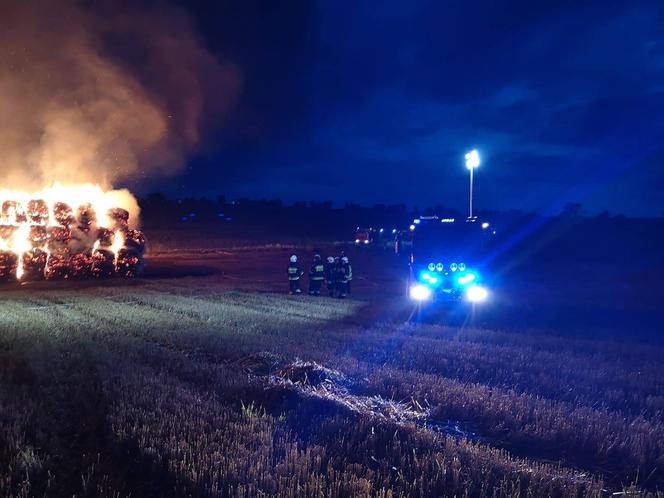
335	272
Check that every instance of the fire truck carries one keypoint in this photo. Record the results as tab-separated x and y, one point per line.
364	236
447	259
382	238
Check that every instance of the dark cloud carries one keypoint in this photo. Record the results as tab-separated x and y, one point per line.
377	102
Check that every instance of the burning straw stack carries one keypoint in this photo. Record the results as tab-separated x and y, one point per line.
65	243
8	258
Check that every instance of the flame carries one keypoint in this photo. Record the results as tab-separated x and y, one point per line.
27	218
75	195
20	245
118	243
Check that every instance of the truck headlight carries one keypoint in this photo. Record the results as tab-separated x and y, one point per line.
476	294
420	293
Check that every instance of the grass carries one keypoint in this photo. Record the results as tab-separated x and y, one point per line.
143	390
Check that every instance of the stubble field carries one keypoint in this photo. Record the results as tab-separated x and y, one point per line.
205	379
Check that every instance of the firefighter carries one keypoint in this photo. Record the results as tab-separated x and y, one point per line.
336	277
342	279
347	270
329	276
316	275
294	274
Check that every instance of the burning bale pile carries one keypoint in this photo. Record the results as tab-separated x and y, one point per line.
66	240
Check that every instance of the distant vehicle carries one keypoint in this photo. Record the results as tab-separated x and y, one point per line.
377	237
364	236
446	259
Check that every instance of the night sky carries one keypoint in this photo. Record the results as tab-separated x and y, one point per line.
377	102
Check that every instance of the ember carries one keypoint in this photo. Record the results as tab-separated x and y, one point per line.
68	232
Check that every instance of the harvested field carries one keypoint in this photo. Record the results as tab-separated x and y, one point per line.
204	379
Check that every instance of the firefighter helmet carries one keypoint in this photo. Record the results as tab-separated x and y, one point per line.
293	259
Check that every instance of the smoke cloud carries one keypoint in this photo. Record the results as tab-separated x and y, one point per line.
103	93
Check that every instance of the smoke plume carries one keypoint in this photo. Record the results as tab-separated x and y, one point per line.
102	93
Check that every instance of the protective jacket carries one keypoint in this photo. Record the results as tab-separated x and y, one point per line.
348	272
341	274
329	272
317	270
294	271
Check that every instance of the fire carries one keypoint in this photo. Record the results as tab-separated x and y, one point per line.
68	231
118	243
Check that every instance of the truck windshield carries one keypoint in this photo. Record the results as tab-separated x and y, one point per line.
458	241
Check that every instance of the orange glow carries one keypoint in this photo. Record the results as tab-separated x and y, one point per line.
59	222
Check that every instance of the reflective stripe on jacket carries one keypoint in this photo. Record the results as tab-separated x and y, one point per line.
317	271
294	271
